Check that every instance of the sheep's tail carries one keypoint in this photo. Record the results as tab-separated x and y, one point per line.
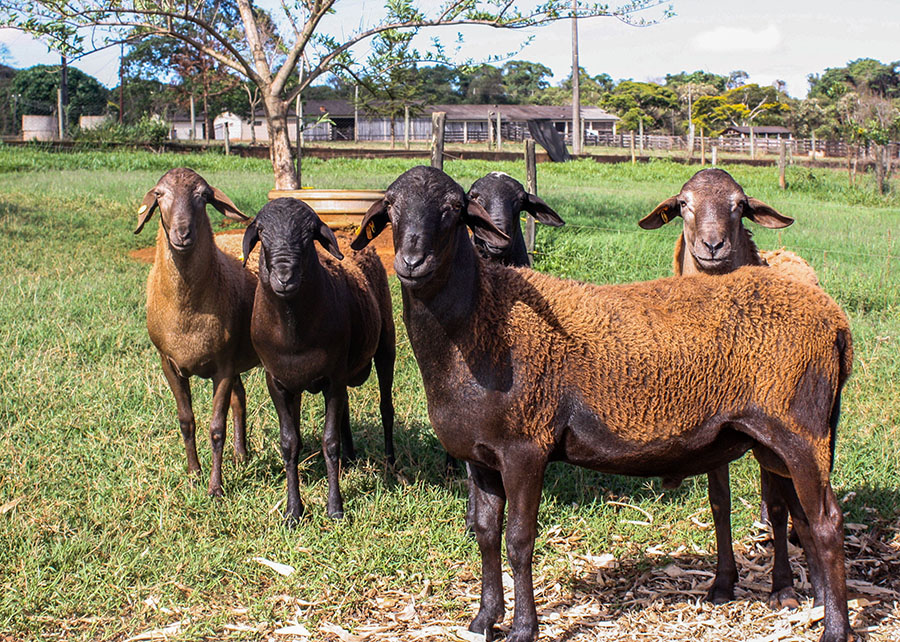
843	345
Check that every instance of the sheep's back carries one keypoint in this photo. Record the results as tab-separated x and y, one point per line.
790	265
655	358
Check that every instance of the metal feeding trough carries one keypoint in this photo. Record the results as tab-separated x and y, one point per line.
339	208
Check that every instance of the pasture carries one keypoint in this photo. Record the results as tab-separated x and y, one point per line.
102	537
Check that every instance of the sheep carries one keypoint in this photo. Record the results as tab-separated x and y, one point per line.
714	241
669	378
318	325
199	302
505	199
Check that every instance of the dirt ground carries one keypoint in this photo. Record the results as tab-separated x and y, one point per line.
229	241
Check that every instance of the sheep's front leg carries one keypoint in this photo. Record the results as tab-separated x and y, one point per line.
181	390
523	479
287	405
335	404
719	491
488	499
222	388
239	420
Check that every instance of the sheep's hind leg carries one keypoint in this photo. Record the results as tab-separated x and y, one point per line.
181	390
222	391
348	450
488	500
384	358
719	491
287	405
826	529
782	595
239	420
335	403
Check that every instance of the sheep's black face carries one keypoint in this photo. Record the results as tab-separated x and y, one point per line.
428	211
182	196
286	229
504	198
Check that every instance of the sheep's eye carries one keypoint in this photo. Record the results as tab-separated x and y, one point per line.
682	204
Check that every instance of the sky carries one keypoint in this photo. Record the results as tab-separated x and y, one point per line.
769	39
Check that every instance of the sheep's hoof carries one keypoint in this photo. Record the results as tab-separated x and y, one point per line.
720	594
336	514
292	518
216	492
241	458
483	624
528	634
784	599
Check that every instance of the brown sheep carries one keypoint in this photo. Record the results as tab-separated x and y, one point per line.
319	323
714	241
199	302
668	378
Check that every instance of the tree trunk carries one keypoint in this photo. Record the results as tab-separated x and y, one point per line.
280	151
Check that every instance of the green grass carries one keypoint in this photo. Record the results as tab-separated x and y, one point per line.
109	539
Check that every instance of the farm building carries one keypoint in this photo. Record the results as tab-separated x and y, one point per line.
760	131
335	120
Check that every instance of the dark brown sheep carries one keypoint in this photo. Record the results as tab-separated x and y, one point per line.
504	198
199	302
318	324
667	378
714	241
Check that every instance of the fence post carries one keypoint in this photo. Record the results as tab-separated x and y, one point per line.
715	155
227	141
782	161
499	135
406	126
531	188
703	148
437	139
633	161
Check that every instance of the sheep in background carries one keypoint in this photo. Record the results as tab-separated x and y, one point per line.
504	198
668	378
714	241
199	302
318	324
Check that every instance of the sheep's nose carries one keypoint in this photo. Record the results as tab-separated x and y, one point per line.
412	261
714	247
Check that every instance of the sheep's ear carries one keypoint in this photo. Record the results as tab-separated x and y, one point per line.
145	211
542	212
764	215
251	238
327	239
479	221
224	205
375	220
664	212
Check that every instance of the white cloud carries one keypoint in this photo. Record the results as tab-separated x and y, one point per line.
730	39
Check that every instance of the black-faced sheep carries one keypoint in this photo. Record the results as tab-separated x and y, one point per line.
667	378
199	302
318	324
504	198
714	241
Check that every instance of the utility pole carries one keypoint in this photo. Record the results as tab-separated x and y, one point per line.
122	84
576	90
63	96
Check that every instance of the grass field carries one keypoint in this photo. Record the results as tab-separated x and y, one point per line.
102	537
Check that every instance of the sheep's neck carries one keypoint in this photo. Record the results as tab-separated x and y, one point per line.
185	276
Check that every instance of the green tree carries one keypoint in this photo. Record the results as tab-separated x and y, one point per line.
523	80
674	81
267	58
36	90
484	86
642	101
